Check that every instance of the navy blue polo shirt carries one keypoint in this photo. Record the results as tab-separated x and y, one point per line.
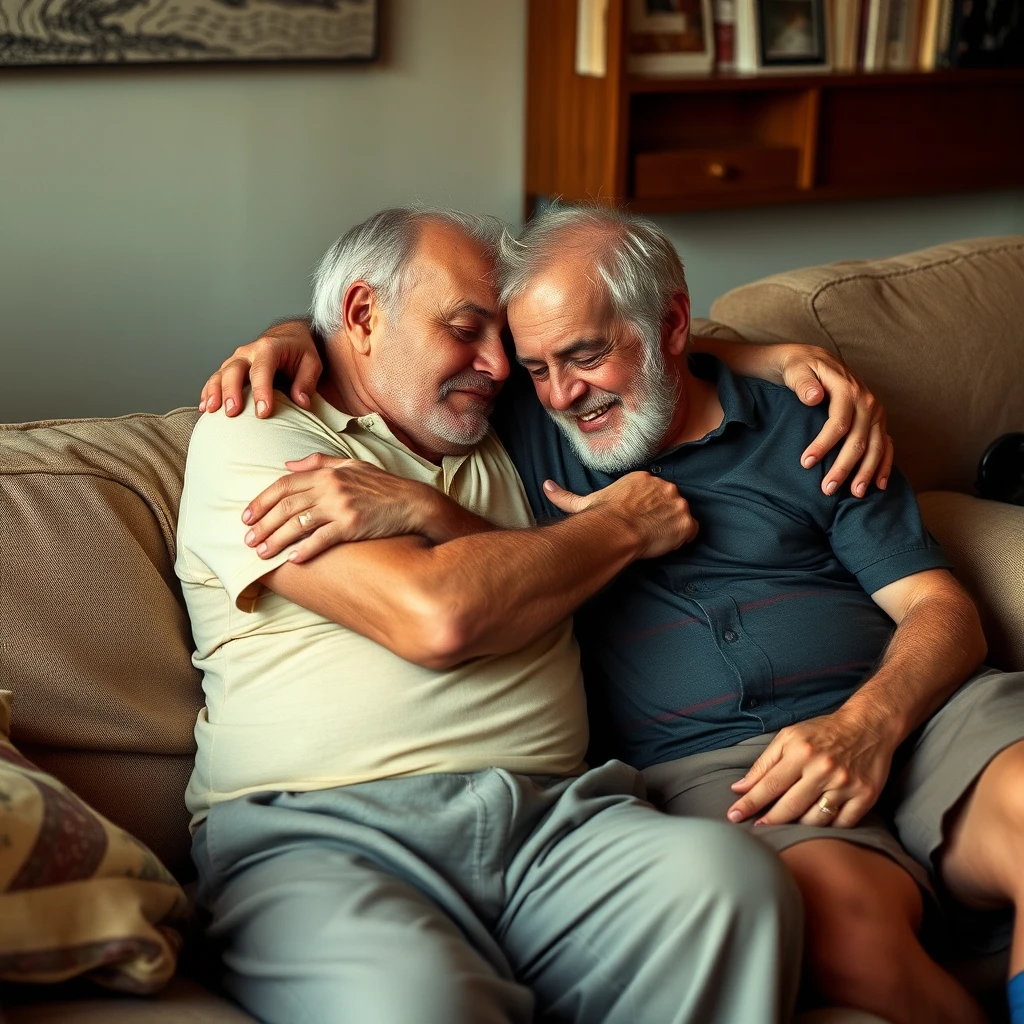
765	619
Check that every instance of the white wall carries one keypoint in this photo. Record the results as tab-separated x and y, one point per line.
151	219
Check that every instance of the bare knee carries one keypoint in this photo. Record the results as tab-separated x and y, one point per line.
986	836
861	916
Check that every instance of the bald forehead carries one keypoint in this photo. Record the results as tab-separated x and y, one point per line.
445	251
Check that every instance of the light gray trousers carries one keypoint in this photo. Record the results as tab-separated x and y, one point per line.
494	898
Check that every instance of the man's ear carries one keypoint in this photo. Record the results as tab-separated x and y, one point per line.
359	315
675	331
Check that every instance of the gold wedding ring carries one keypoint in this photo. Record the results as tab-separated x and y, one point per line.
827	807
306	519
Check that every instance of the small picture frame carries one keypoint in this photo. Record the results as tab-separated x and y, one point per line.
671	37
792	33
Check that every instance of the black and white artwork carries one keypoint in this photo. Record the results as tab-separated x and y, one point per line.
185	31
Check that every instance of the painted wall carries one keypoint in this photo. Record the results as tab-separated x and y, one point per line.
152	219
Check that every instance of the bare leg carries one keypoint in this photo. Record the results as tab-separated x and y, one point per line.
862	912
981	864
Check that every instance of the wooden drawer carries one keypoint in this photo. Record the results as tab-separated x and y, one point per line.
703	171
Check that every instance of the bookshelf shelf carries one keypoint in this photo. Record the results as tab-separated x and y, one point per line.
662	145
725	81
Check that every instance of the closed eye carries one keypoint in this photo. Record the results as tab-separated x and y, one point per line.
465	333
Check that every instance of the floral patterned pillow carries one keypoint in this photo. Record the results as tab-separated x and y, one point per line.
78	895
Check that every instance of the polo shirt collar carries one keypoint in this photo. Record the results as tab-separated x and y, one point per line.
343	422
733	393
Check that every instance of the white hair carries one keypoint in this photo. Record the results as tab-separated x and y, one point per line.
638	265
378	251
642	273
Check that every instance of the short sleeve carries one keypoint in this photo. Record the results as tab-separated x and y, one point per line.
230	461
880	538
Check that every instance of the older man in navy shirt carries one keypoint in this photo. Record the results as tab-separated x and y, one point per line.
800	667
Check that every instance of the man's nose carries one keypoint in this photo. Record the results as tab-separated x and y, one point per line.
491	359
564	391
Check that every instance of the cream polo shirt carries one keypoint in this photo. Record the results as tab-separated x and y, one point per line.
296	702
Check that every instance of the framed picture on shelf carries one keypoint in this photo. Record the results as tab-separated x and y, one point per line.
792	32
671	37
782	36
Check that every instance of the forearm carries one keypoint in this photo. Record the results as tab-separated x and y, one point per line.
937	644
745	359
441	519
482	594
509	587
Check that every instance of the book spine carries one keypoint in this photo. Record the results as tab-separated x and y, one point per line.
725	35
944	33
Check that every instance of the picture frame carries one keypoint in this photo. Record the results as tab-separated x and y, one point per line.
792	34
670	37
60	33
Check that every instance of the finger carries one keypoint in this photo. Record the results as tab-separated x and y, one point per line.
885	469
870	463
270	497
211	394
793	804
771	756
563	499
232	381
326	537
805	384
291	531
854	448
261	377
776	782
306	377
317	461
841	409
823	819
851	812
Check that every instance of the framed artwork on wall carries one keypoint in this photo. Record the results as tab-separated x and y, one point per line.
62	32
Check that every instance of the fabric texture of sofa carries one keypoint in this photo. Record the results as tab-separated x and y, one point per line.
95	642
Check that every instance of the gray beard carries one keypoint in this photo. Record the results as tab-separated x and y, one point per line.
643	430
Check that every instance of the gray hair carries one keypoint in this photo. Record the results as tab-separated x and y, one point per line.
633	257
378	252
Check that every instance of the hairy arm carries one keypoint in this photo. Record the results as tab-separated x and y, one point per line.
937	643
846	756
492	592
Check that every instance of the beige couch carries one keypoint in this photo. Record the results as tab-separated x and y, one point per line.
95	643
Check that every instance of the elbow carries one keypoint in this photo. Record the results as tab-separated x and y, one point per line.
439	634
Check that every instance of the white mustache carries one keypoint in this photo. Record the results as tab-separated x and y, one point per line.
469	380
587	405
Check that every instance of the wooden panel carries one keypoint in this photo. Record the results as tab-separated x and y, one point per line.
718	119
717	171
650	141
572	121
948	134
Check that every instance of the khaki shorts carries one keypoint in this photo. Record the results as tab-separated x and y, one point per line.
931	773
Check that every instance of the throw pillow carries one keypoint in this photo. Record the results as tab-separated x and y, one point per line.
78	895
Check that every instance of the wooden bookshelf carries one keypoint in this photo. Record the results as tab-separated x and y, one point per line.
729	140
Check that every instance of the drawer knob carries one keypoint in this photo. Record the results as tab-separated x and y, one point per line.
720	171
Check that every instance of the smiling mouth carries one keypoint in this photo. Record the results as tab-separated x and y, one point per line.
595	413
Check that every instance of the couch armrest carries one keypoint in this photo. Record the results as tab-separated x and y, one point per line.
984	541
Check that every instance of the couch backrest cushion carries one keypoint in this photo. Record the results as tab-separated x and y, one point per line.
95	641
938	335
